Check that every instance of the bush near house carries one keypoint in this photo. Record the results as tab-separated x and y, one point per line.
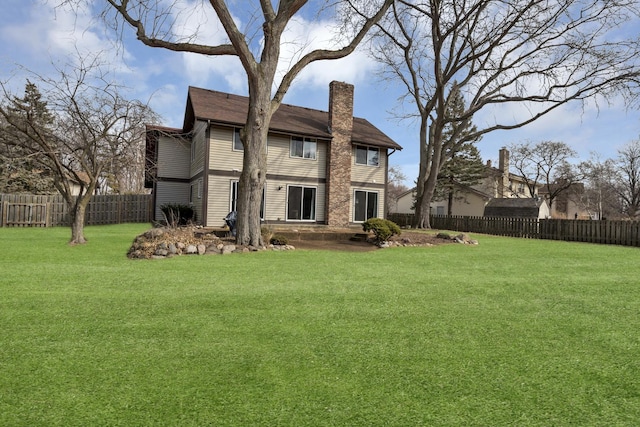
383	229
177	214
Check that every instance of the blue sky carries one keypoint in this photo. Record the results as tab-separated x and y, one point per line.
34	35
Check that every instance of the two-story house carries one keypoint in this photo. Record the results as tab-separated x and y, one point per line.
322	167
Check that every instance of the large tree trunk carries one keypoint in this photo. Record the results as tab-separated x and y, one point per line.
254	170
421	217
429	174
77	210
429	169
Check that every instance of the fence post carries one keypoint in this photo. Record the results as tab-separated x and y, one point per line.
5	206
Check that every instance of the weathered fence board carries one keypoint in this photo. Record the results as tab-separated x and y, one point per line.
27	210
626	233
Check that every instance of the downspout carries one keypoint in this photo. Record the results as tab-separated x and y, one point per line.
386	186
205	174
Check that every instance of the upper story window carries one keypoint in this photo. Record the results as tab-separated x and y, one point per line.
369	156
237	142
304	148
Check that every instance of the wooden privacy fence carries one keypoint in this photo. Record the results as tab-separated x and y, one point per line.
626	233
26	210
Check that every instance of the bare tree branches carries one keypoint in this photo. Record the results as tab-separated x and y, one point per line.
628	179
162	24
513	61
80	129
545	164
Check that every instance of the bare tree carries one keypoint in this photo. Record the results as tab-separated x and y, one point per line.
545	165
600	197
395	187
125	171
156	25
628	182
526	57
74	131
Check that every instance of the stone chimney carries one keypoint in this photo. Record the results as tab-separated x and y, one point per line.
339	154
503	166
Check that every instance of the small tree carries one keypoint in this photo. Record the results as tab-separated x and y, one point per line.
545	164
600	196
75	131
395	187
628	182
463	170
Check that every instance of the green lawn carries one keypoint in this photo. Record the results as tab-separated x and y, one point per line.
510	332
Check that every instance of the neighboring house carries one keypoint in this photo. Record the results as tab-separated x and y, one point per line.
323	167
102	187
569	203
471	201
517	208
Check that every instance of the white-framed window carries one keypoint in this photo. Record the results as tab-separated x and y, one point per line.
301	203
196	190
369	156
237	142
233	198
365	205
304	148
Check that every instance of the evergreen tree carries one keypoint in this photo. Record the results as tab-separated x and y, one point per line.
20	170
463	166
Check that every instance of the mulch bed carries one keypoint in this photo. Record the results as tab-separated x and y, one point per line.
407	238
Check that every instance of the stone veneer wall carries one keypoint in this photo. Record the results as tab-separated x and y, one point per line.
339	155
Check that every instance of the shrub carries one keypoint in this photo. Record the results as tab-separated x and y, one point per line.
383	229
176	214
266	233
278	240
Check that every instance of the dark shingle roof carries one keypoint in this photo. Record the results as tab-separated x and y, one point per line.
228	109
513	207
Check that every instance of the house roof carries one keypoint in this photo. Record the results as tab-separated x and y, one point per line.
463	187
228	109
576	187
525	202
165	129
516	208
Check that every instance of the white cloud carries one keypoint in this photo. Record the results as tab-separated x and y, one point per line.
168	101
301	36
198	23
48	32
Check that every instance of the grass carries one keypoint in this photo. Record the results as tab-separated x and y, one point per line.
511	332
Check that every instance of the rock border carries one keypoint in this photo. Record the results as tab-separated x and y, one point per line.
166	242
